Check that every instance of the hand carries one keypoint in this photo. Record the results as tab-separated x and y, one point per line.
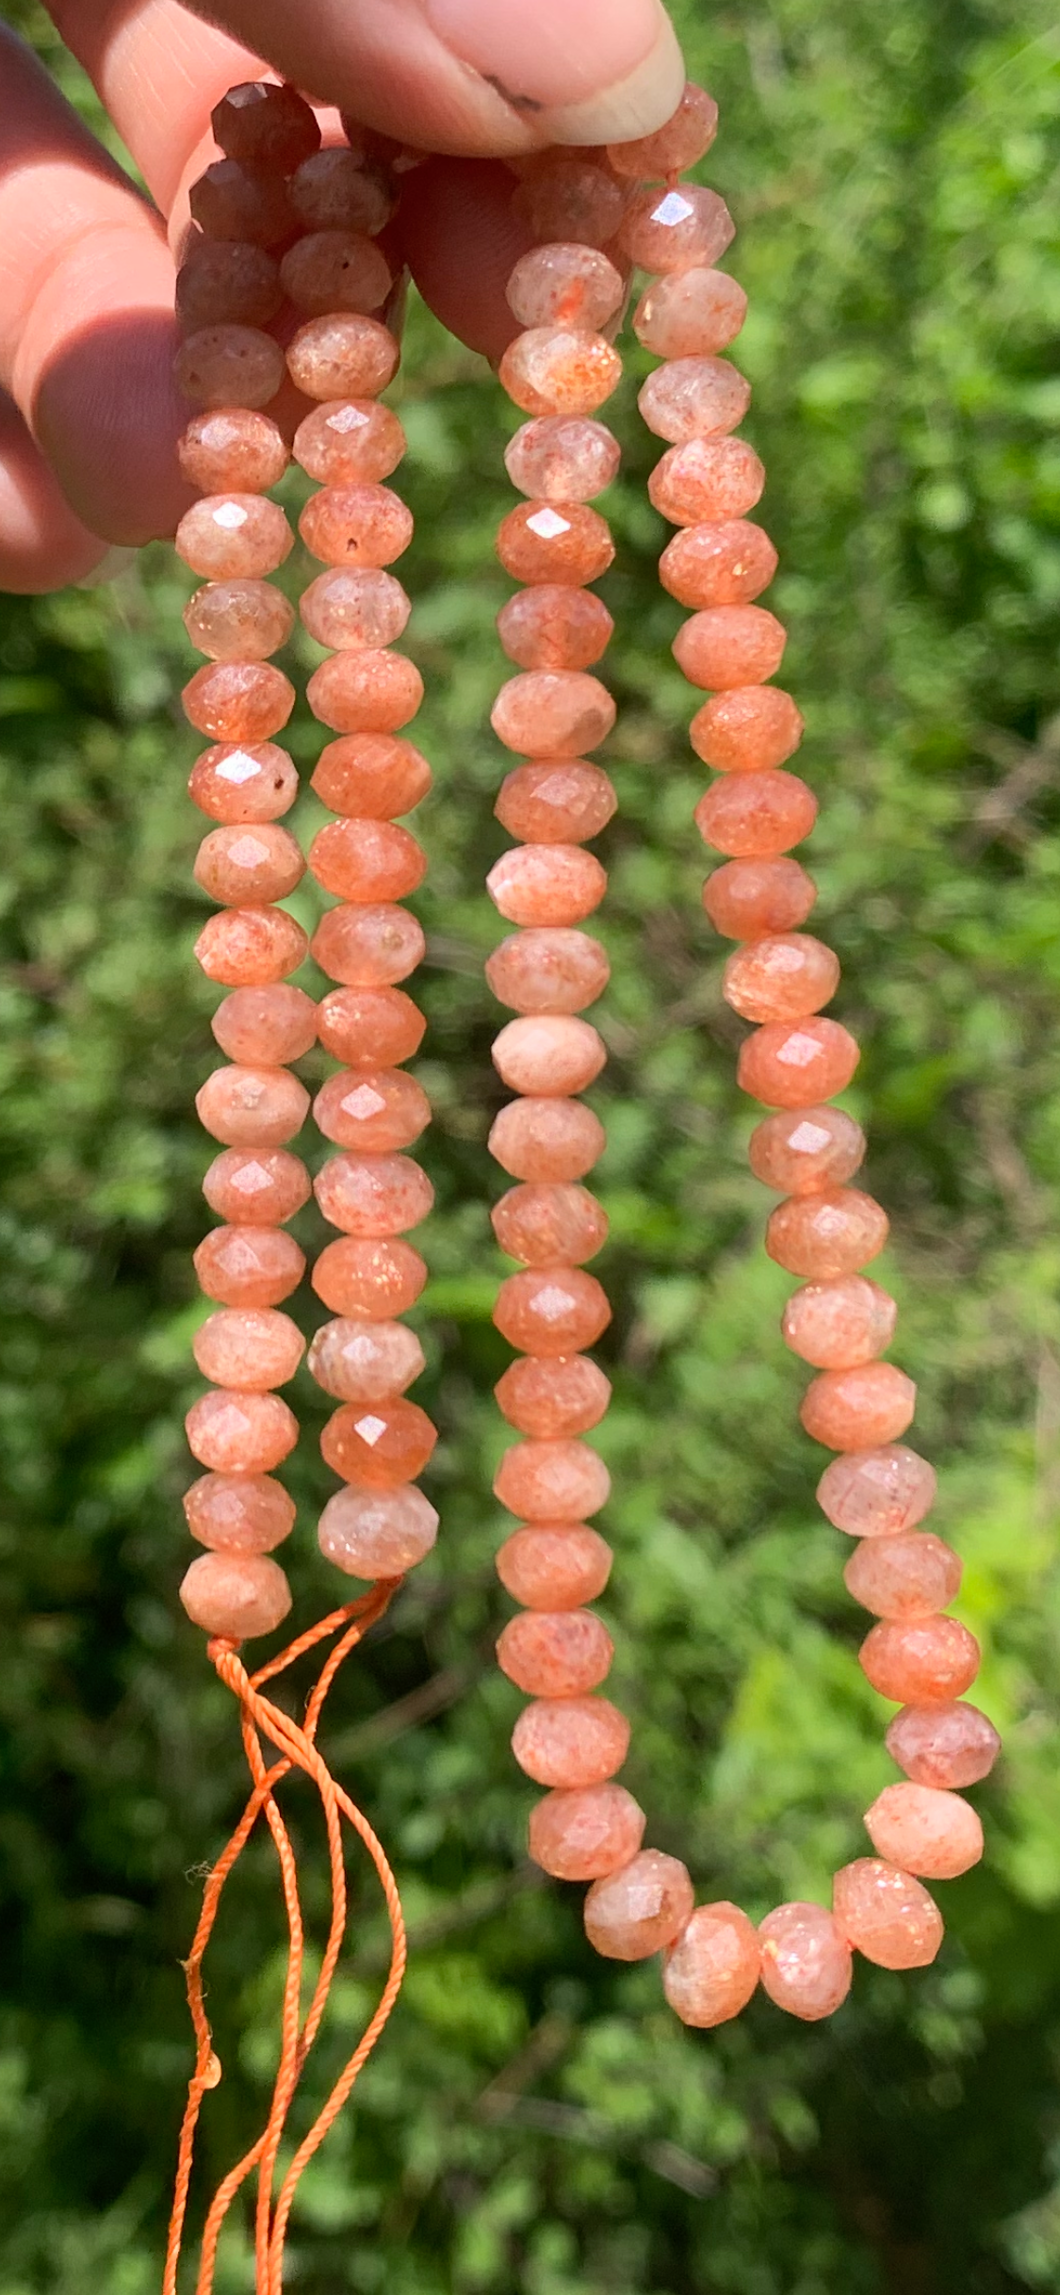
88	411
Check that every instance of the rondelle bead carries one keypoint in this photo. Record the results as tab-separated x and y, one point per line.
839	1324
723	562
364	1362
549	971
237	701
546	884
243	620
349	442
849	1410
560	801
783	976
225	282
791	1064
568	284
581	1835
249	1266
549	1225
560	370
920	1661
570	1741
266	1027
248	947
250	1348
372	775
709	478
685	138
252	1107
342	356
371	1278
549	1055
551	1311
806	1152
640	1908
239	1513
233	201
746	898
377	1533
539	1139
886	1914
370	1027
874	1493
833	1233
227	534
356	525
368	947
554	1565
552	1481
752	815
554	626
329	271
333	190
562	458
237	1595
567	198
249	866
552	1396
711	1971
675	229
229	366
925	1831
560	1653
355	606
370	691
266	124
690	314
367	861
256	1189
379	1446
694	398
942	1745
552	543
233	447
730	646
806	1962
372	1110
746	730
910	1576
238	1433
236	784
553	713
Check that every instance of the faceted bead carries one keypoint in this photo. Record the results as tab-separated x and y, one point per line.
849	1410
564	801
549	1226
266	1027
684	139
238	1433
753	815
555	1653
239	1513
349	442
582	1835
233	447
807	1152
370	691
562	458
547	1139
355	606
727	646
237	701
834	1233
343	355
552	542
364	1362
925	1831
252	1107
367	861
242	620
552	1481
640	1908
722	562
694	398
265	124
806	1963
329	271
248	947
920	1661
249	1266
886	1915
570	1741
567	284
680	228
377	1534
371	1279
707	478
747	729
548	971
783	976
942	1745
379	1447
554	1566
839	1324
368	947
225	282
234	784
568	199
231	201
237	1595
226	534
249	866
911	1576
256	1190
546	884
248	1347
746	898
549	1055
554	1396
373	775
792	1064
229	366
690	314
560	370
711	1971
372	1110
370	1027
551	1311
356	525
875	1493
555	626
373	1196
333	190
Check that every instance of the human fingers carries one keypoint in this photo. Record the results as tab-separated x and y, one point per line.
43	545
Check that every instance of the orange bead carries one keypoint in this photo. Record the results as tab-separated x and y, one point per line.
783	976
807	1152
368	947
252	1348
562	458
349	442
249	866
570	1741
551	1312
555	1653
747	729
690	314
723	562
728	646
234	201
942	1745
236	1433
694	398
367	861
925	1831
560	1481
370	691
266	125
707	478
920	1661
249	1266
239	1513
243	620
381	1445
553	542
372	1110
334	190
556	803
237	1595
257	1189
252	1107
840	1324
833	1233
355	606
342	356
875	1493
266	1027
549	1226
684	139
554	626
540	1139
806	1961
372	775
548	971
377	1534
233	446
236	701
560	370
227	534
746	898
886	1914
639	1909
329	271
911	1576
581	1835
546	884
850	1410
554	1565
791	1064
571	281
370	1027
550	1055
364	1362
229	365
673	229
373	1195
552	1397
249	947
371	1278
356	525
711	1971
237	784
752	815
553	713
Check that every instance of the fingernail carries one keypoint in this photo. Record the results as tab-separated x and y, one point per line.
575	71
109	568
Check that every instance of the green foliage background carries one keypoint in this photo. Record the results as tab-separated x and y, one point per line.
536	2123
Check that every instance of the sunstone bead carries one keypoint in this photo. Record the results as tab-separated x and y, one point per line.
369	947
583	1834
233	447
228	282
746	898
373	1195
886	1914
550	971
239	1433
237	1595
252	1107
554	1565
681	227
875	1493
364	1362
690	314
569	284
249	865
806	1962
694	398
237	701
910	1576
560	1481
792	1064
242	620
708	478
381	1445
233	201
248	1347
560	370
548	1397
334	190
554	626
568	198
342	356
806	1152
849	1410
540	1139
730	646
783	976
920	1661
266	1027
267	125
942	1745
370	691
367	861
546	884
640	1908
373	1110
549	1225
753	815
239	1513
229	366
372	1278
721	562
248	1266
562	458
355	606
248	947
711	1971
685	138
256	1188
832	1233
560	801
551	1055
329	271
356	525
925	1831
555	1653
377	1534
570	1741
370	1027
238	784
228	534
372	775
551	1311
838	1324
554	542
349	442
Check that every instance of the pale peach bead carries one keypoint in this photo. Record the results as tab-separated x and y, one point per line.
685	138
342	356
567	198
228	534
373	775
367	861
551	1397
349	442
753	815
237	1433
551	1055
551	1311
569	284
708	478
235	1595
560	370
690	314
582	1835
562	458
639	1909
554	542
355	606
370	1027
920	1661
373	1110
381	1445
373	1196
377	1534
783	976
554	1566
368	947
839	1324
791	1064
561	1481
694	398
548	971
232	201
239	1513
711	1971
266	1027
248	947
259	1190
555	1653
251	1348
554	626
806	1962
372	1279
886	1914
356	525
243	620
329	271
252	1107
721	562
237	784
333	190
249	1266
266	124
807	1152
364	1362
371	691
233	446
849	1410
570	1741
726	646
547	1139
237	701
565	801
925	1831
546	884
747	729
249	866
941	1745
833	1233
549	1226
746	898
227	282
875	1493
229	366
679	228
910	1576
